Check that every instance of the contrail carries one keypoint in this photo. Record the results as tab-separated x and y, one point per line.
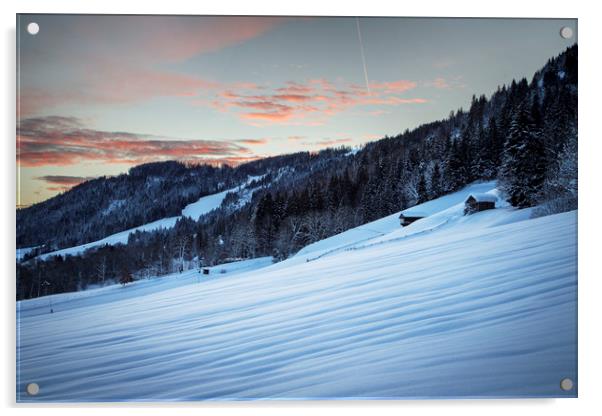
359	36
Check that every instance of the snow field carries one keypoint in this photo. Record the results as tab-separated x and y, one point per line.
488	299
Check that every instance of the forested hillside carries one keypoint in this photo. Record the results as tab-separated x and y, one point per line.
524	135
106	205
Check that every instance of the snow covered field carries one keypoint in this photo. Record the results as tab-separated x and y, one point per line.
450	306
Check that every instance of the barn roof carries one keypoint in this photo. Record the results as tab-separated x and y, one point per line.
483	197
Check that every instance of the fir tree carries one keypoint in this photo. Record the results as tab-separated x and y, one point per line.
436	191
422	191
524	168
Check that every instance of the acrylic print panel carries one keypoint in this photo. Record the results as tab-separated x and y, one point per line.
244	208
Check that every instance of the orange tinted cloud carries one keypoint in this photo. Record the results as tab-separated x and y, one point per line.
60	183
63	141
393	86
296	98
333	142
293	87
273	116
252	142
232	161
328	142
313	102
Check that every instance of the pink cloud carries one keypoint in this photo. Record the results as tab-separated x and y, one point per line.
393	86
60	183
271	116
295	98
293	87
61	141
253	142
332	142
313	102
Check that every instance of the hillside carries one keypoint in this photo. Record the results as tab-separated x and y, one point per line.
524	135
147	193
195	211
490	296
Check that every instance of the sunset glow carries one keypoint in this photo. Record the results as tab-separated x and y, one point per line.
99	94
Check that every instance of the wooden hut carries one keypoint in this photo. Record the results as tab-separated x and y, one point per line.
406	218
479	202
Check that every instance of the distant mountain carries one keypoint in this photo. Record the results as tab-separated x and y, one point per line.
524	136
149	192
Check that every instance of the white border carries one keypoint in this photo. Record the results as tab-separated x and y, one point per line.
590	277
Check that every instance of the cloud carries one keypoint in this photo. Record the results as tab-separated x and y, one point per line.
61	141
446	84
378	112
64	179
60	183
177	38
125	59
270	116
252	142
312	102
393	86
103	86
232	161
133	84
440	83
293	87
330	142
295	98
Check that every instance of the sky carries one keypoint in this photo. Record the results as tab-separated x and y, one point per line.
99	94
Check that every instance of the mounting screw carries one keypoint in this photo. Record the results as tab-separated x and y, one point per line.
566	384
33	389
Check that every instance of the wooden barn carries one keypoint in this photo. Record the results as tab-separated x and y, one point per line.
479	202
407	218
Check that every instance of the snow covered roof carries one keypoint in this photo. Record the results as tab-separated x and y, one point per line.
412	213
483	197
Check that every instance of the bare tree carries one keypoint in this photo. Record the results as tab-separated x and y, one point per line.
101	269
181	247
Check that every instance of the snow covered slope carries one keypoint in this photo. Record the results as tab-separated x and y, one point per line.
112	293
488	299
117	238
386	225
208	203
195	210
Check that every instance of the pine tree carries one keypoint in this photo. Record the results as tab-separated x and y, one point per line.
422	191
524	167
456	172
436	191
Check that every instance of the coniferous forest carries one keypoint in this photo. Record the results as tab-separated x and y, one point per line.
524	135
